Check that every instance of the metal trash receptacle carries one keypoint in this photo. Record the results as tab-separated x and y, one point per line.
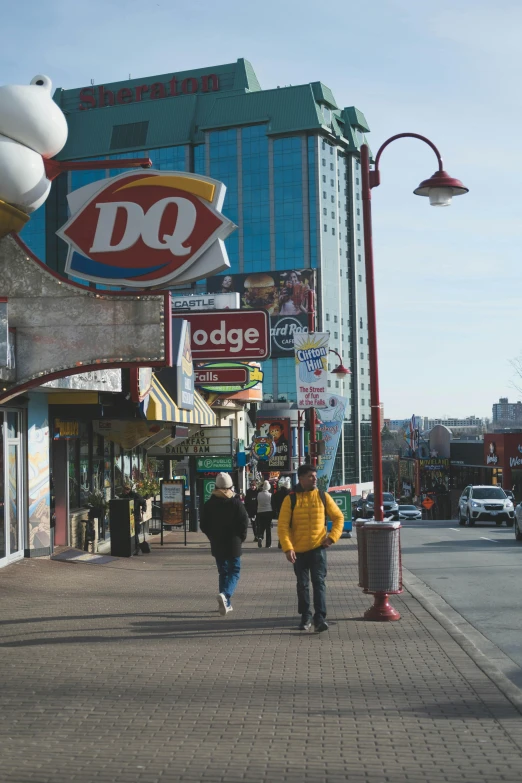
382	544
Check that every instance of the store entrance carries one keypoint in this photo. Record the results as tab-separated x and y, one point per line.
11	543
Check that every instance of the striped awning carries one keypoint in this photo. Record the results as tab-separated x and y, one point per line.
162	407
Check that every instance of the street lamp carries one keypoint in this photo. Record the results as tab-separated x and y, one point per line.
440	189
341	370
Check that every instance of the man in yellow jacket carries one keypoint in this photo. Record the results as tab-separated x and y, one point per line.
304	540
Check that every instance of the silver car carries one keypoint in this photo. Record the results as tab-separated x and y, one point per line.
485	503
409	512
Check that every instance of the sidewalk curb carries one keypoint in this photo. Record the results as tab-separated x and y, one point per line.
466	636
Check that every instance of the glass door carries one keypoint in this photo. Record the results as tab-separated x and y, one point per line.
11	543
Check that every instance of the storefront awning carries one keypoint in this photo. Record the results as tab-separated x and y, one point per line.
162	407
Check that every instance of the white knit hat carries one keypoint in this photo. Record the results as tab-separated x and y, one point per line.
223	481
266	486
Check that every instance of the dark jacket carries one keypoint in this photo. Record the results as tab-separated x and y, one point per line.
224	521
277	500
251	502
140	504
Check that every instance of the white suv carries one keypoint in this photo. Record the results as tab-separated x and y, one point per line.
485	504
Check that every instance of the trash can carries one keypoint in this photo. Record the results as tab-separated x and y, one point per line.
123	543
380	566
383	557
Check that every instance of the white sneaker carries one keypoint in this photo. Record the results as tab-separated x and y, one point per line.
222	603
229	608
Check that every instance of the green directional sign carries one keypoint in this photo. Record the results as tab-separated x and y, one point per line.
209	486
344	501
209	464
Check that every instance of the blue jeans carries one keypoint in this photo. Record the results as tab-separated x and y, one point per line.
228	575
311	564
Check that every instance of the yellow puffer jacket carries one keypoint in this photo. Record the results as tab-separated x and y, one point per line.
308	521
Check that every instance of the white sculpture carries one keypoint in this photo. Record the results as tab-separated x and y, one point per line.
32	127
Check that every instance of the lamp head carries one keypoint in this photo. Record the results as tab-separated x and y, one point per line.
440	189
341	371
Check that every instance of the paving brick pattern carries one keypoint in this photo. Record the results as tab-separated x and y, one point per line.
126	672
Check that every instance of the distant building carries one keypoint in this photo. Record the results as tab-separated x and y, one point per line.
505	412
471	425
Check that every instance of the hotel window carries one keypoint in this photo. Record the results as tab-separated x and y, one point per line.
327	316
362	370
358	211
333	215
333	231
359	242
324	177
362	355
325	227
332	199
357	180
325	211
360	278
324	161
331	166
324	193
332	183
357	196
331	150
362	386
335	319
358	226
336	335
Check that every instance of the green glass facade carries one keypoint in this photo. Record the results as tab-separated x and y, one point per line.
289	160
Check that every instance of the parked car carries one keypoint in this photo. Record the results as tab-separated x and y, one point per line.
357	508
409	512
485	504
390	506
518	522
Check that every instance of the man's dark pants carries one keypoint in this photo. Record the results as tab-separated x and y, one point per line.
312	565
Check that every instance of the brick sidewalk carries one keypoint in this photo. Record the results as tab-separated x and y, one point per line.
125	672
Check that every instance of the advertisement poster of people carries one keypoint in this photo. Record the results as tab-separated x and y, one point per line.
272	448
329	428
284	294
311	369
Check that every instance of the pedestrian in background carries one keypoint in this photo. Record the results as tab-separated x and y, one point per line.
304	539
251	506
284	488
224	521
264	515
140	505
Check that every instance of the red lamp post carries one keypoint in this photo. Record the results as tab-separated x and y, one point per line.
440	188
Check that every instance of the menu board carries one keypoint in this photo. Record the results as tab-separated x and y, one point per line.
173	502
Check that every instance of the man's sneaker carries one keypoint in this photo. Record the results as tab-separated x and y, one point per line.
222	603
229	608
322	626
259	542
305	626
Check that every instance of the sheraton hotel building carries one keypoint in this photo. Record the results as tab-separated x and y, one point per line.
289	157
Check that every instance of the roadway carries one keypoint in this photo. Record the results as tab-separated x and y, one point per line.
478	572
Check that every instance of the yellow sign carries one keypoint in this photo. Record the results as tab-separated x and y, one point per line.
66	429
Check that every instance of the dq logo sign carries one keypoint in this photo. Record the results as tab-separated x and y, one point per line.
145	229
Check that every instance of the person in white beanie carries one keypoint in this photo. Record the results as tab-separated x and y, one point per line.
264	515
224	521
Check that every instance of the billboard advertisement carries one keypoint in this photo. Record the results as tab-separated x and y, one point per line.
283	294
272	448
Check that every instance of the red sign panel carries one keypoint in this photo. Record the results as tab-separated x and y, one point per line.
229	334
221	376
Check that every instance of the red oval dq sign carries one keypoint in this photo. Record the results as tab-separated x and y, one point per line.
148	228
228	334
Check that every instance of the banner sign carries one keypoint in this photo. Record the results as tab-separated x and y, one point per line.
173	502
178	380
272	448
220	335
66	430
209	440
311	369
147	228
283	294
211	464
205	302
329	427
228	377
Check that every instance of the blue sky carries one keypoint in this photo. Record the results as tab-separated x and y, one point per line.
447	279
